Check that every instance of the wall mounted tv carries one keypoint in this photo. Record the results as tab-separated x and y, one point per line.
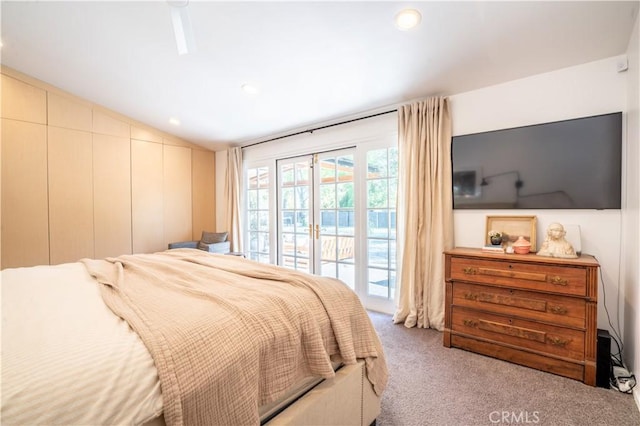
571	164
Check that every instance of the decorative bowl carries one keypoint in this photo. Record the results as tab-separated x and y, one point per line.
521	246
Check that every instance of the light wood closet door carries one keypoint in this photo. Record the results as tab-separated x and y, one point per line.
204	192
25	219
177	194
22	101
111	195
147	197
70	163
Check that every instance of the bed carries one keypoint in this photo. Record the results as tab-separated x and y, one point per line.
185	337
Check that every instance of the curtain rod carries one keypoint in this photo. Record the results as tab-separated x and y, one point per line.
320	128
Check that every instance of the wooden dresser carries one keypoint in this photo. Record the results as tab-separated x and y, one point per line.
527	309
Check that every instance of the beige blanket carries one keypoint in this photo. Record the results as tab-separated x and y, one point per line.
228	334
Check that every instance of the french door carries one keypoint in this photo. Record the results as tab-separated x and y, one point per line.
333	214
317	214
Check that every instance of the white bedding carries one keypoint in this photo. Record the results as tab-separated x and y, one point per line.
58	370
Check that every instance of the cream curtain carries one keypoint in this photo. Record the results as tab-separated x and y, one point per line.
232	189
425	212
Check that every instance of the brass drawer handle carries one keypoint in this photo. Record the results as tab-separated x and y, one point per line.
559	310
470	270
470	323
471	296
511	273
557	341
557	280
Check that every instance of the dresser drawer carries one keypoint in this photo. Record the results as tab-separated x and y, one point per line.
562	367
557	279
560	310
543	338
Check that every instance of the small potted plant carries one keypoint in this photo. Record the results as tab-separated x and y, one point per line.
495	237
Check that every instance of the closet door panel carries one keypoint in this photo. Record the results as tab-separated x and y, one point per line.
145	134
147	213
69	112
70	164
204	192
111	195
22	101
105	124
25	218
177	194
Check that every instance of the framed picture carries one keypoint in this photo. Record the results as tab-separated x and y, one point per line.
511	228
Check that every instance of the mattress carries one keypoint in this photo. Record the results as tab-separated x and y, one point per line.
58	370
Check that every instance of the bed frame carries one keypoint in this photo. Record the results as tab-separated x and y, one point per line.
347	399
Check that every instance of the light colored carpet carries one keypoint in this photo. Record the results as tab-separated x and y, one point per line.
433	385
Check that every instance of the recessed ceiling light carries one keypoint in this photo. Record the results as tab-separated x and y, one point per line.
250	89
174	121
408	18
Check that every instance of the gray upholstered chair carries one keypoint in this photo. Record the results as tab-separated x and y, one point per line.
213	242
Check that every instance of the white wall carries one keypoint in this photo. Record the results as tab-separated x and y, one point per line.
589	89
631	215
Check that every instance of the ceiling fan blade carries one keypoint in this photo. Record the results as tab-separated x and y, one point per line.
182	29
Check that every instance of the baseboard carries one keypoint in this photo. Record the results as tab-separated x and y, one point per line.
636	396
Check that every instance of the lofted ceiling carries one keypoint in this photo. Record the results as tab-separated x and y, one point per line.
313	62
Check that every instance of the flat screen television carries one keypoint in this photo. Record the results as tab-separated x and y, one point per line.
570	164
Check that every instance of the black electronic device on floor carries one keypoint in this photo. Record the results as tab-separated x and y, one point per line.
603	359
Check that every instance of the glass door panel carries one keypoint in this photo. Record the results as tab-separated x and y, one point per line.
336	215
258	214
381	179
295	192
